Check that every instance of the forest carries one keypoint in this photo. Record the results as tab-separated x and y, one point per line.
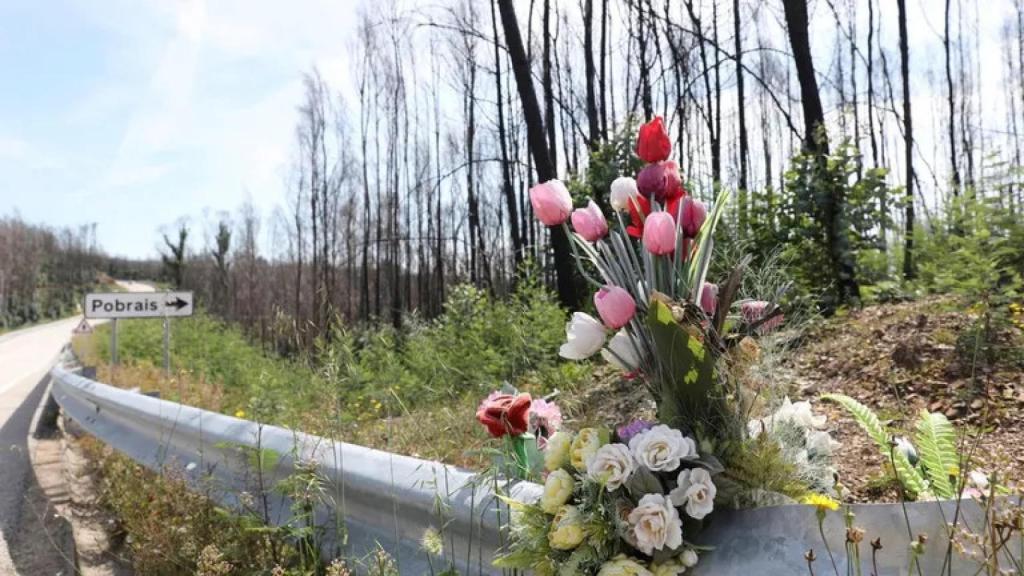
859	149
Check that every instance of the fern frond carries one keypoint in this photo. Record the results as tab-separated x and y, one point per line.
909	476
936	442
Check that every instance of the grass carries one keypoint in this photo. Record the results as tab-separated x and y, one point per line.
413	392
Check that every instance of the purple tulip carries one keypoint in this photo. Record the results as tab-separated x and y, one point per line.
694	214
709	298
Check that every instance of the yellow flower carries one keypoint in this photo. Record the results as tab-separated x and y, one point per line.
566	529
821	502
556	452
557	490
623	566
585	445
239	413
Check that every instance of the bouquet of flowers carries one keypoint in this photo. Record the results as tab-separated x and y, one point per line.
630	501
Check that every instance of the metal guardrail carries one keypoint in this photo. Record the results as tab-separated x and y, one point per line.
390	501
386	500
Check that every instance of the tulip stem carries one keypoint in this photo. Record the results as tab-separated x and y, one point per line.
576	256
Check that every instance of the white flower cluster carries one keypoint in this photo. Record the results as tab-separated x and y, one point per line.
654	523
804	441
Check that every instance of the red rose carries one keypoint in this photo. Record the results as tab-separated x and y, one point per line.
653	145
505	414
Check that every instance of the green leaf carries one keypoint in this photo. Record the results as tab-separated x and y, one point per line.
909	476
686	370
936	443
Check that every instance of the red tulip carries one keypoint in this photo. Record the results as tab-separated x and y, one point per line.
615	306
653	145
660	181
505	414
639	208
694	214
660	234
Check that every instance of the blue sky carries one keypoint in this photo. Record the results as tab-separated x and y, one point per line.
134	113
131	114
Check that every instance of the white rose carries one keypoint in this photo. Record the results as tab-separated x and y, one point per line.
661	448
656	525
623	190
611	465
584	337
557	491
695	490
621	353
689	558
556	451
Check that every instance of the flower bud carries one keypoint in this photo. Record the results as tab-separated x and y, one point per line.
694	214
551	202
653	143
623	190
660	233
615	306
589	222
709	298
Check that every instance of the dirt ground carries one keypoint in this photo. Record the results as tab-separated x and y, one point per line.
901	358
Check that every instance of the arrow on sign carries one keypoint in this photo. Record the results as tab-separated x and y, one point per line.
177	303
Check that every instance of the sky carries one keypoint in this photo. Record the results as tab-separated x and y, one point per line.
134	113
131	113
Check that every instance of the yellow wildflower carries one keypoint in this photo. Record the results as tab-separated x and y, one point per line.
239	413
821	502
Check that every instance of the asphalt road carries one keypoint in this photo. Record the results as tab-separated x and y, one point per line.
25	358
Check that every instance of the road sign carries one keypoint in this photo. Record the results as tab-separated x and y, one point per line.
83	327
138	305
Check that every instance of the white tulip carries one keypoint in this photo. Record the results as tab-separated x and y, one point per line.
622	192
621	352
655	524
584	337
611	465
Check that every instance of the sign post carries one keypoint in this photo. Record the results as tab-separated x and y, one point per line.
117	305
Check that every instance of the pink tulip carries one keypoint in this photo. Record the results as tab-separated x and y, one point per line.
660	233
755	310
709	298
615	306
551	202
694	214
589	222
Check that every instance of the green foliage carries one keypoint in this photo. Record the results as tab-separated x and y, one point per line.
939	467
936	443
612	159
476	345
793	218
687	385
974	252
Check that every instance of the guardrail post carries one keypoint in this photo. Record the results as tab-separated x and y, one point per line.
167	347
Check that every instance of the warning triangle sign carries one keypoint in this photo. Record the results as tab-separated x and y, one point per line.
83	327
